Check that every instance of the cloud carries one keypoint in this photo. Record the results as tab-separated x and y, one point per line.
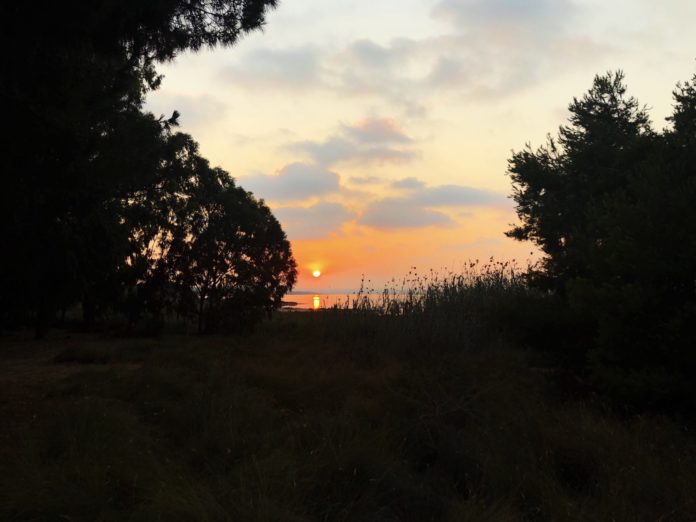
398	213
485	57
492	48
294	182
456	196
295	68
377	130
365	65
422	206
408	184
482	50
449	72
315	222
487	50
546	15
501	47
366	180
372	140
367	54
367	69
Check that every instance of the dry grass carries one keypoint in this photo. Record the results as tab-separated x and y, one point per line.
348	415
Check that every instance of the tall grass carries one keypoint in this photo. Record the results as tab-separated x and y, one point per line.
482	304
418	294
419	405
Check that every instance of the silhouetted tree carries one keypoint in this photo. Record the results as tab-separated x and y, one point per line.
611	203
224	253
74	79
559	186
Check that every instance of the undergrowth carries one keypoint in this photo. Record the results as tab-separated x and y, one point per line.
420	407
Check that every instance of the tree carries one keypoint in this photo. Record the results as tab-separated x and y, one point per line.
612	208
71	97
558	186
225	254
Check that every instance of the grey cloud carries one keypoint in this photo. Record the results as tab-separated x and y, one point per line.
505	46
473	64
365	68
420	207
315	222
546	14
371	141
294	182
448	72
282	69
495	48
365	180
490	49
398	213
326	152
457	196
376	130
368	55
409	184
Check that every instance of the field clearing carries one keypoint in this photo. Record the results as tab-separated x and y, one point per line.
307	420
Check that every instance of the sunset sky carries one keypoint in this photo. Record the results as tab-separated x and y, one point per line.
379	131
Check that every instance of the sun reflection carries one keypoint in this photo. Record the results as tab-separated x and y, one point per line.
316	302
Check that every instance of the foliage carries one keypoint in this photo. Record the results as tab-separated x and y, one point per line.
558	186
227	256
611	204
73	99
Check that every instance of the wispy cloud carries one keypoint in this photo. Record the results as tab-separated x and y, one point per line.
373	140
456	196
276	69
294	182
314	222
377	130
366	180
398	213
540	15
410	183
424	206
487	49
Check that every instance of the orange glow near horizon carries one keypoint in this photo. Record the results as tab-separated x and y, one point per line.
383	255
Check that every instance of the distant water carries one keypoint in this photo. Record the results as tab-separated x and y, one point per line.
305	301
308	301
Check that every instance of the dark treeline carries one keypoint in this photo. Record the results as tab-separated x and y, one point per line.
105	206
611	202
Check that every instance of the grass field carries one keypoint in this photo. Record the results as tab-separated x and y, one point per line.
344	415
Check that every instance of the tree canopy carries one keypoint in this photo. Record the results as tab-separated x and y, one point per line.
223	253
78	152
610	203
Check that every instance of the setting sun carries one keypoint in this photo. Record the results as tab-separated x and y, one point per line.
316	273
